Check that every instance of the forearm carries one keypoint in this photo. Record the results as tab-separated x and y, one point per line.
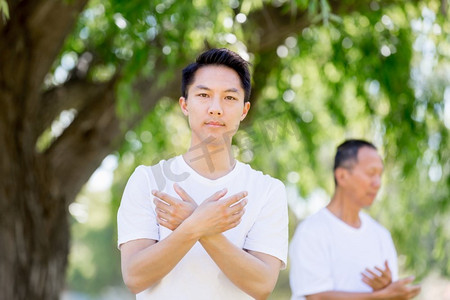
249	273
336	295
401	289
149	265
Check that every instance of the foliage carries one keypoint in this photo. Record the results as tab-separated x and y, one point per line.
4	10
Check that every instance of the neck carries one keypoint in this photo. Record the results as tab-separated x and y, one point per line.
341	206
210	161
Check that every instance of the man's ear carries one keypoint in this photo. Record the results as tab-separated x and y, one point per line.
341	175
245	110
183	105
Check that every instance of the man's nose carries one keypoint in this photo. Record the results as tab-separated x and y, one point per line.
216	107
376	181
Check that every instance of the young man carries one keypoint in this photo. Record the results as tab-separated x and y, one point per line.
340	252
203	225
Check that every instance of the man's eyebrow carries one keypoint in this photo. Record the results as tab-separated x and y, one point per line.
202	87
372	168
230	90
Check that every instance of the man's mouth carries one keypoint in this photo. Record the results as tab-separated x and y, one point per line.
214	124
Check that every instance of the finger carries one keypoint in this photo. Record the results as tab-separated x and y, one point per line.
383	273
237	216
366	279
373	282
163	214
182	193
238	206
386	264
378	281
165	197
217	195
415	290
407	280
230	226
374	275
379	270
235	198
161	204
235	221
165	223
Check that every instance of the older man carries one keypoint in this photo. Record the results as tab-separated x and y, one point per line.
340	252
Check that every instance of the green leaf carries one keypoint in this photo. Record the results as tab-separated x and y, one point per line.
4	9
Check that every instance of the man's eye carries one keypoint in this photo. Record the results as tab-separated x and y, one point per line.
230	98
203	95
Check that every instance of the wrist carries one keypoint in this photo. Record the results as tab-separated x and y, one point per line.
379	294
190	228
209	238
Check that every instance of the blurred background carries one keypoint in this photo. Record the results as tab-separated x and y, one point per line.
108	84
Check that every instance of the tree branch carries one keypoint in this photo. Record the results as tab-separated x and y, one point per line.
72	94
31	40
48	24
75	155
271	26
443	7
96	131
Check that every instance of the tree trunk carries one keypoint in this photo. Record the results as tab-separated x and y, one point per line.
34	231
33	224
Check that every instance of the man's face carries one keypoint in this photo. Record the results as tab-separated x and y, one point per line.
215	105
364	179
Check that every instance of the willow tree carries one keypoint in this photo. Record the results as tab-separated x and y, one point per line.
76	76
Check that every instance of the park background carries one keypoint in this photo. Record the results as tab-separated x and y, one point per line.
89	91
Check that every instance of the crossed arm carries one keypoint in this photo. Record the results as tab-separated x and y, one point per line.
254	272
145	262
380	280
398	290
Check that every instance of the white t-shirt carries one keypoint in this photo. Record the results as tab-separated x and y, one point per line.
328	255
263	228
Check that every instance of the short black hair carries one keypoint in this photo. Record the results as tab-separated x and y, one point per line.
224	57
347	153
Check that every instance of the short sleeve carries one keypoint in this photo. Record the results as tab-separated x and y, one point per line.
136	218
310	271
269	234
391	255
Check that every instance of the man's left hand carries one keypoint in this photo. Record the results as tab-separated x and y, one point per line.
378	279
170	211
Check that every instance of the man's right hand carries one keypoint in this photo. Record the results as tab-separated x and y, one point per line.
216	215
400	290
